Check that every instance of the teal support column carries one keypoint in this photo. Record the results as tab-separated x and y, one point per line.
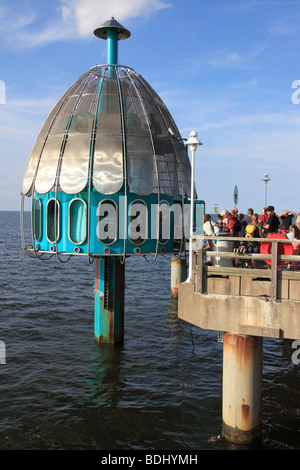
112	46
112	32
109	300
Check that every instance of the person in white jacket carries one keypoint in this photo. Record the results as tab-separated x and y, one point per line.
208	225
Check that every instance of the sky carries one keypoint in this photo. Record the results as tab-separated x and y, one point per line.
227	69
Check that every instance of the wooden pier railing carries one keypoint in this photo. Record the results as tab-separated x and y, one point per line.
274	272
226	296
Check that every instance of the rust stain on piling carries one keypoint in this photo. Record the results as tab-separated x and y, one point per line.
97	275
245	411
111	333
174	291
240	346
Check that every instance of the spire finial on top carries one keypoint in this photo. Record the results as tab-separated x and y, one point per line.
122	32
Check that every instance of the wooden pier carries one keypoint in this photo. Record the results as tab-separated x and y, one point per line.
262	301
245	304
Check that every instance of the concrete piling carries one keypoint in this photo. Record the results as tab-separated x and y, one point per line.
242	388
247	305
178	274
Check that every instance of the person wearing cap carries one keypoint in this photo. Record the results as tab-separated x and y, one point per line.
272	223
224	215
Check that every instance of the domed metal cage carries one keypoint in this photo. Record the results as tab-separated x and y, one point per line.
109	173
108	127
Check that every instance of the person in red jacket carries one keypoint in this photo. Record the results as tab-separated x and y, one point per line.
264	215
233	223
262	219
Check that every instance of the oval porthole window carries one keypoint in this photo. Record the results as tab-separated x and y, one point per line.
77	221
107	226
37	220
53	218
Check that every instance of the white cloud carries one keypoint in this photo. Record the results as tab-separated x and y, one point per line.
232	59
285	27
76	18
19	30
89	14
249	84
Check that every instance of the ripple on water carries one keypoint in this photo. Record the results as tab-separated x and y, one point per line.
161	390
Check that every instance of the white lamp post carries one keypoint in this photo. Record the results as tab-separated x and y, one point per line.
265	180
193	143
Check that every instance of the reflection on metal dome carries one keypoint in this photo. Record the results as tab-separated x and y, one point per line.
110	125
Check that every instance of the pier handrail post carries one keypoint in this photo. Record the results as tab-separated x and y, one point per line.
193	256
199	275
274	270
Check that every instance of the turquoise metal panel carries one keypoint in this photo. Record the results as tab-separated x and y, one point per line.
78	223
78	228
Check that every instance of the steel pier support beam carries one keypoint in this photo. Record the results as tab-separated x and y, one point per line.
178	274
109	300
242	388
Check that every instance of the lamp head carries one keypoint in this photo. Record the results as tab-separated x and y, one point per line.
193	141
266	178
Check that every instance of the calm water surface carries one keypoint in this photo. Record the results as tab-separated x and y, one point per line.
161	390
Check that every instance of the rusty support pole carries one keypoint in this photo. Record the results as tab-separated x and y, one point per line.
109	300
242	388
178	274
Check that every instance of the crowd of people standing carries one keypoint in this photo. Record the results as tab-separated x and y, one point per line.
254	225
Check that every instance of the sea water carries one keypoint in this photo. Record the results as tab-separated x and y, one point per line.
160	390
